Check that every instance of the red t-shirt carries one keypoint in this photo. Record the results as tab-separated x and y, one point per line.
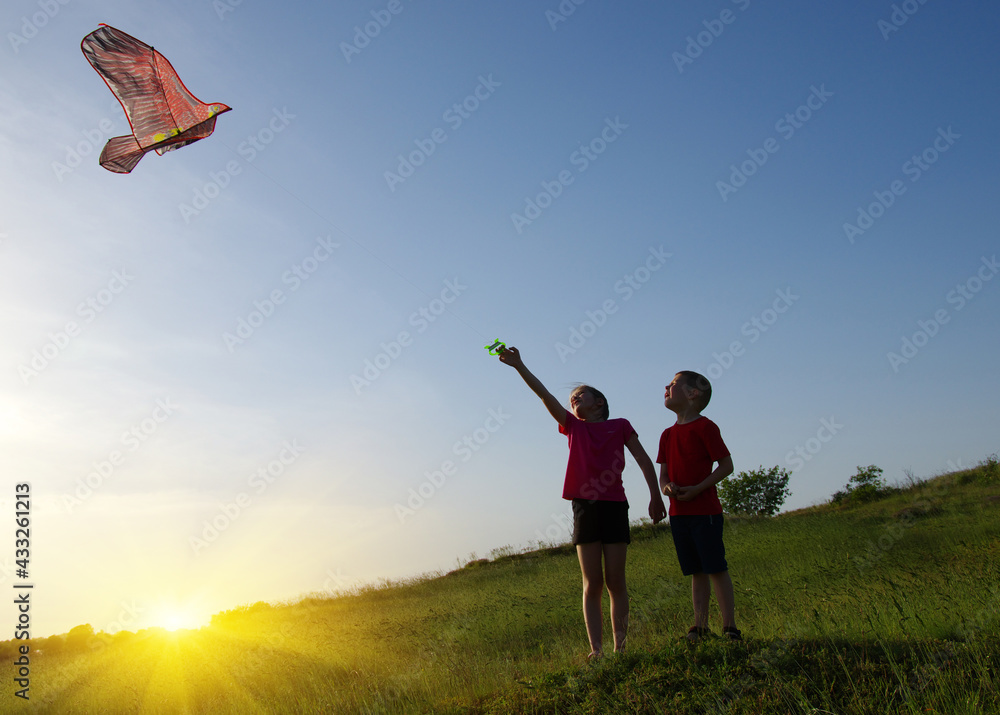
690	451
596	458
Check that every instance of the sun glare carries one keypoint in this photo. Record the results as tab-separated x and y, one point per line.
175	618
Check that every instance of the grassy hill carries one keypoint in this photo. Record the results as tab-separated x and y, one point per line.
880	607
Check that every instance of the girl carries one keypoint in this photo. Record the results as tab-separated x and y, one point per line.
594	484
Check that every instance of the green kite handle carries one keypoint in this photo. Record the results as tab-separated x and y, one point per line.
497	346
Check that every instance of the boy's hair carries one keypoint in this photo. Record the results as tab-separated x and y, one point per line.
598	395
699	382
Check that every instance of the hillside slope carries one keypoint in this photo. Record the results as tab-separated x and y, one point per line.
887	606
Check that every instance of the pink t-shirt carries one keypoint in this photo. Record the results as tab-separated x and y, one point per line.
596	458
690	451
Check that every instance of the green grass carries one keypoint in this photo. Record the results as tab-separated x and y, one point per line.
888	606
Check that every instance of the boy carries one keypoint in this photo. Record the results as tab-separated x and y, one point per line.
688	451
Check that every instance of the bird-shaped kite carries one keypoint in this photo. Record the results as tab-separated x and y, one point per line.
163	114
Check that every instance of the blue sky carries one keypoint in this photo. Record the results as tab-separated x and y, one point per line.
622	191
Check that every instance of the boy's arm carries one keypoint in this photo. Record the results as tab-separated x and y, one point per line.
657	511
724	469
511	356
666	486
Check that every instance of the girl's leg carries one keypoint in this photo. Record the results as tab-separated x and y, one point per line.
593	584
614	577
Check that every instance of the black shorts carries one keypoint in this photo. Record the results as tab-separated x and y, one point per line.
604	521
698	541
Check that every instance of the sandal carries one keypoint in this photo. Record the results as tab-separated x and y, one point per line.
732	633
696	633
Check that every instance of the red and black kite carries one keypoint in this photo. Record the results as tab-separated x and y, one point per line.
163	114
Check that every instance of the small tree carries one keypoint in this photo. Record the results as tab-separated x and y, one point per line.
864	486
761	491
78	637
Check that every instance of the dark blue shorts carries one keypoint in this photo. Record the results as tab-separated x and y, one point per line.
698	541
604	521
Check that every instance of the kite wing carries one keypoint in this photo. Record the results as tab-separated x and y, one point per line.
163	114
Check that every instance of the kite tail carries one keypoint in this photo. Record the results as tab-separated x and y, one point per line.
121	154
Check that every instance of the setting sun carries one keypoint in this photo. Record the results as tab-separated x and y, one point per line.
174	617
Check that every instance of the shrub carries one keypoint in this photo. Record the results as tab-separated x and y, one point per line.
867	485
761	491
991	468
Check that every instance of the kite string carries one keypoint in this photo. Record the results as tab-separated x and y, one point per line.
357	243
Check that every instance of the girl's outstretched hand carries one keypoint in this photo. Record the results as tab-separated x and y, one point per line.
511	356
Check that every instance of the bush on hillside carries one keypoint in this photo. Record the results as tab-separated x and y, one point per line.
761	491
867	485
991	468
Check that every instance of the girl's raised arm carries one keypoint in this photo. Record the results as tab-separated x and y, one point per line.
511	356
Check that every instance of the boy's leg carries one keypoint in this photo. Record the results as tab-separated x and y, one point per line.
722	584
614	577
700	592
593	585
